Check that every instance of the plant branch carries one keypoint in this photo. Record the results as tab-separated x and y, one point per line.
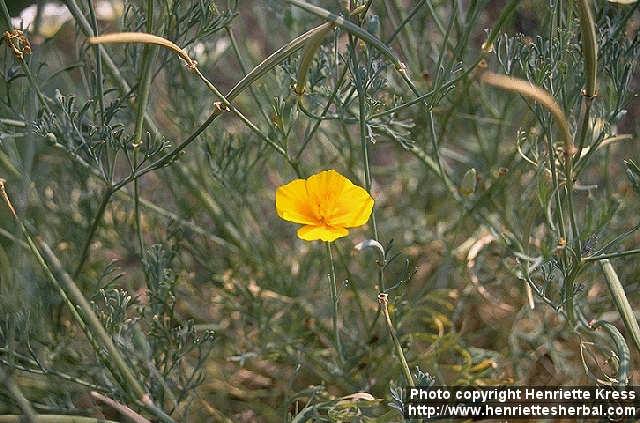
383	300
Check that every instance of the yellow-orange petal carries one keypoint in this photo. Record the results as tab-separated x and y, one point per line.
324	233
351	208
324	188
293	204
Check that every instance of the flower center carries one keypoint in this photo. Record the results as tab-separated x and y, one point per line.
323	214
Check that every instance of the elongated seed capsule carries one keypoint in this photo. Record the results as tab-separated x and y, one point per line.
311	47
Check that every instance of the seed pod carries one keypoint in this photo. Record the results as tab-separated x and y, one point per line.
311	47
469	182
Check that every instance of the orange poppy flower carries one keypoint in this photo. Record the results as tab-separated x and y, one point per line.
326	204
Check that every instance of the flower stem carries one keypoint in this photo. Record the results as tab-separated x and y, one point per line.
362	119
142	98
334	300
383	300
92	231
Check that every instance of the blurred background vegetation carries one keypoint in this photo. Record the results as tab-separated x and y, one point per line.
220	312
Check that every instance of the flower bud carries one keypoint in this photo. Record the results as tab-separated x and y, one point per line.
469	182
51	139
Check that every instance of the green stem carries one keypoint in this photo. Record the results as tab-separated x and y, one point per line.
622	303
362	120
383	300
236	50
334	301
507	11
92	230
568	292
406	20
394	15
361	34
37	368
136	210
227	105
589	47
590	53
570	209
99	83
612	255
145	80
29	413
615	241
362	116
144	86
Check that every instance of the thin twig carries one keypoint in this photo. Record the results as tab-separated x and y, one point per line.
123	409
